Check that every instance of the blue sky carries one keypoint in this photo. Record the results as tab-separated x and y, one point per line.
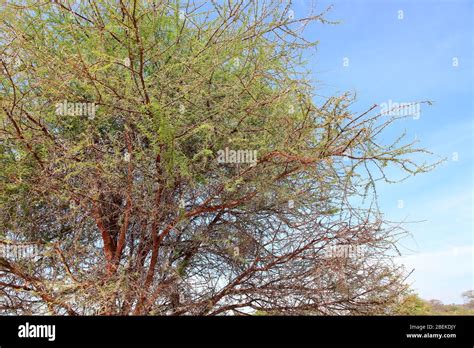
411	59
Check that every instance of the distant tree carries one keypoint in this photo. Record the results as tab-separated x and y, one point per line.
468	297
436	304
113	117
412	304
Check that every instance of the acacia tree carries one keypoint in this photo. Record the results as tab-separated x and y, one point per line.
113	114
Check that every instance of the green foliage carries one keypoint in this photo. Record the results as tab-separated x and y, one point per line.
412	304
170	92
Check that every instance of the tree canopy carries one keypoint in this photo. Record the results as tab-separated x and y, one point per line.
112	117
